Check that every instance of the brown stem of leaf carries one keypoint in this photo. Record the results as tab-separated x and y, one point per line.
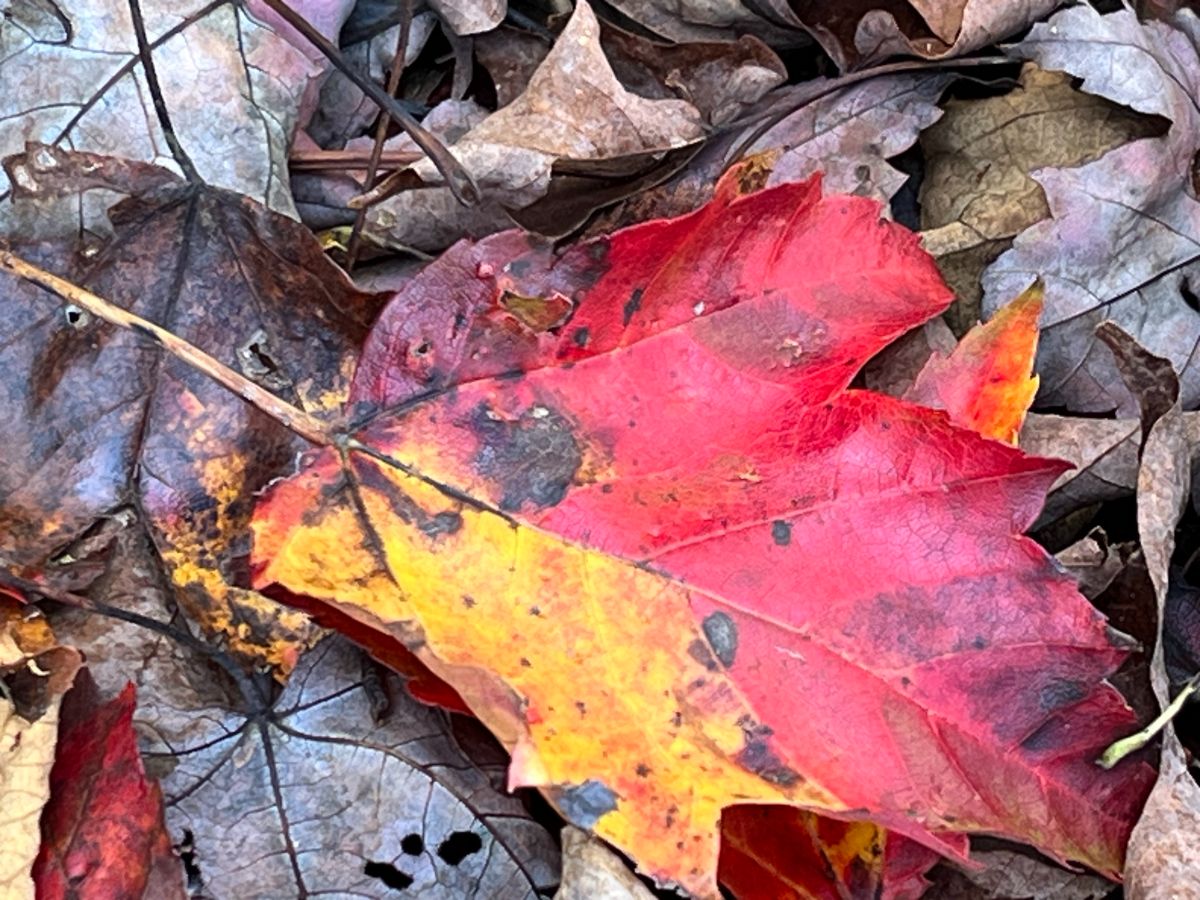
296	420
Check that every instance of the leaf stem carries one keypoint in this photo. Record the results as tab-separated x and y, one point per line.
294	419
1118	750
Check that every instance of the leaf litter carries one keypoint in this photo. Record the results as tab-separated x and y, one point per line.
128	522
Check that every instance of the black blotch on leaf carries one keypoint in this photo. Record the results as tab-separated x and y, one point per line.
413	844
459	846
632	305
1061	692
532	459
580	337
388	874
781	532
442	523
722	634
584	804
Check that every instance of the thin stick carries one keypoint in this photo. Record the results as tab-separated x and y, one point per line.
381	130
457	178
322	160
304	424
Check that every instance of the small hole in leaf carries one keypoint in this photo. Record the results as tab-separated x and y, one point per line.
422	348
1189	295
459	846
76	317
412	844
388	874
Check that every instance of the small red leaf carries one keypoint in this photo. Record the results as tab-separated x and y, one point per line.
103	834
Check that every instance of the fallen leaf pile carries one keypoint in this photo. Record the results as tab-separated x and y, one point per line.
513	451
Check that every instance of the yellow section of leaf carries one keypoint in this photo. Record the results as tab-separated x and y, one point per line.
617	708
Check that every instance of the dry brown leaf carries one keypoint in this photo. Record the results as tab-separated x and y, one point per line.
35	672
977	193
593	872
1123	242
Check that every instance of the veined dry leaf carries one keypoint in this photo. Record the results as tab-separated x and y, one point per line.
35	672
113	426
1124	236
977	193
233	86
847	135
675	565
573	109
310	794
593	872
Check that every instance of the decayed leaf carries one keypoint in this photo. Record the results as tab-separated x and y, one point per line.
573	109
593	872
312	794
1124	235
1161	862
111	426
1104	453
35	672
973	384
102	831
847	135
1007	874
630	554
82	88
977	193
864	31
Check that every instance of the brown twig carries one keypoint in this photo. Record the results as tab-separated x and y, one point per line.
457	178
296	420
360	160
381	130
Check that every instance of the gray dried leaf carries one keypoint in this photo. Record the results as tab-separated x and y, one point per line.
311	796
232	84
1123	240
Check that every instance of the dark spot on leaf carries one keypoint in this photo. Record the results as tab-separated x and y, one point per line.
580	337
758	757
781	532
412	844
632	305
1061	692
584	804
459	846
532	459
468	602
388	874
606	488
979	642
722	633
442	523
699	651
535	610
1044	737
642	770
525	662
582	707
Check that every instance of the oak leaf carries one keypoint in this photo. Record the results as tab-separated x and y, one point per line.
623	500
